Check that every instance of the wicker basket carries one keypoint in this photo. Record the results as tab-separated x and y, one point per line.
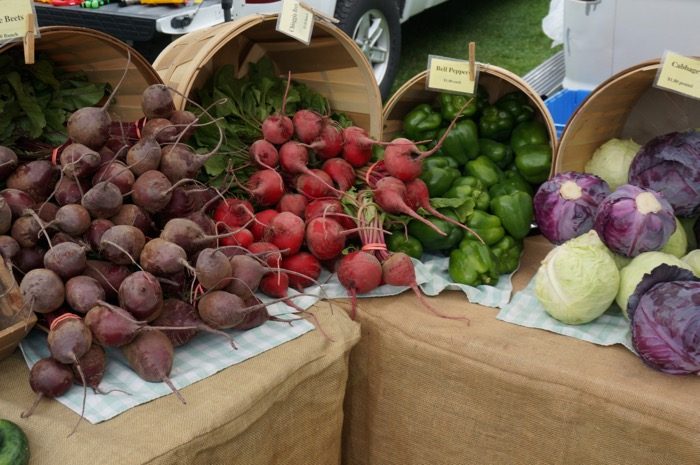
624	106
332	64
102	58
497	81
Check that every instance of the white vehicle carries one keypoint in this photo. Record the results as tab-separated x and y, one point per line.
374	24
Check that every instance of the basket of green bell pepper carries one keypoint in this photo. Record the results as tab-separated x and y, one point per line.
422	123
515	212
518	105
439	172
462	142
495	123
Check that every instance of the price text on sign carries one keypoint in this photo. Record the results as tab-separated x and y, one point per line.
680	74
450	75
13	19
295	21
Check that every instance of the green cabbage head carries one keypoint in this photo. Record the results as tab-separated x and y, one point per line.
577	280
640	265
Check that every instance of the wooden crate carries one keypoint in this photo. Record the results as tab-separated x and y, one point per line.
15	319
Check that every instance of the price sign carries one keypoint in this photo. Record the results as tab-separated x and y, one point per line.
679	74
451	75
15	19
295	21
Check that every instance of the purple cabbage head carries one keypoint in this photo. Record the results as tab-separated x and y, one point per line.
633	220
665	320
566	205
670	165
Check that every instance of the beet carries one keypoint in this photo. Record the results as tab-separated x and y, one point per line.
157	101
28	259
83	293
221	309
213	269
116	173
103	200
37	178
25	230
122	244
42	290
79	161
70	190
48	378
95	231
144	155
8	162
66	259
73	219
162	258
152	191
93	366
109	275
18	200
177	313
141	295
9	248
133	215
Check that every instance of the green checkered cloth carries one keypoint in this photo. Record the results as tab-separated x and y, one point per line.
608	329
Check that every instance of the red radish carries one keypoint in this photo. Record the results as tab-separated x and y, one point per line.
307	125
398	270
269	253
329	143
278	128
264	154
275	284
325	238
341	172
294	158
234	212
242	237
286	231
306	265
315	185
359	273
418	197
390	195
357	148
177	313
48	378
261	222
265	187
43	290
294	203
150	355
329	207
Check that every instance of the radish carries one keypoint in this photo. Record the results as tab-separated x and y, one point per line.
329	143
91	126
307	125
359	272
357	148
286	231
398	270
294	203
315	185
341	172
275	284
325	238
278	128
264	154
418	197
329	207
234	212
265	187
241	237
306	265
294	158
390	195
269	253
262	222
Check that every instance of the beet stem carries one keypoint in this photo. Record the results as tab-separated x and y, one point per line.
114	91
170	384
124	251
82	409
28	413
427	305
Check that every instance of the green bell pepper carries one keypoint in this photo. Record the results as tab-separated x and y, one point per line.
450	104
515	212
439	172
421	123
512	182
400	242
487	226
430	239
473	264
534	162
495	123
462	142
484	170
469	187
518	105
527	133
500	154
507	252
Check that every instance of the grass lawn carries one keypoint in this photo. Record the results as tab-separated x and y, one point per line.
508	33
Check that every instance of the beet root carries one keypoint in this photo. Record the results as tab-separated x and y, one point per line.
66	259
83	293
43	290
48	378
140	294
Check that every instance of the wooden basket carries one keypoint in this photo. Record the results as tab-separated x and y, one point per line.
15	320
332	64
497	81
102	58
624	106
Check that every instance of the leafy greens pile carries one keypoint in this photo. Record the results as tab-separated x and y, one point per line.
36	100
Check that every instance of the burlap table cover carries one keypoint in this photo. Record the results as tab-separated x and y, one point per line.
429	391
281	407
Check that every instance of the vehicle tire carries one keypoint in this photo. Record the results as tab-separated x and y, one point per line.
376	28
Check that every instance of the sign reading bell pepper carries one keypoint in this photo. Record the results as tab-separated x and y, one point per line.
450	75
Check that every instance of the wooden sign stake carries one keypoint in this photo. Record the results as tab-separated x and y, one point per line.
320	14
472	63
29	40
